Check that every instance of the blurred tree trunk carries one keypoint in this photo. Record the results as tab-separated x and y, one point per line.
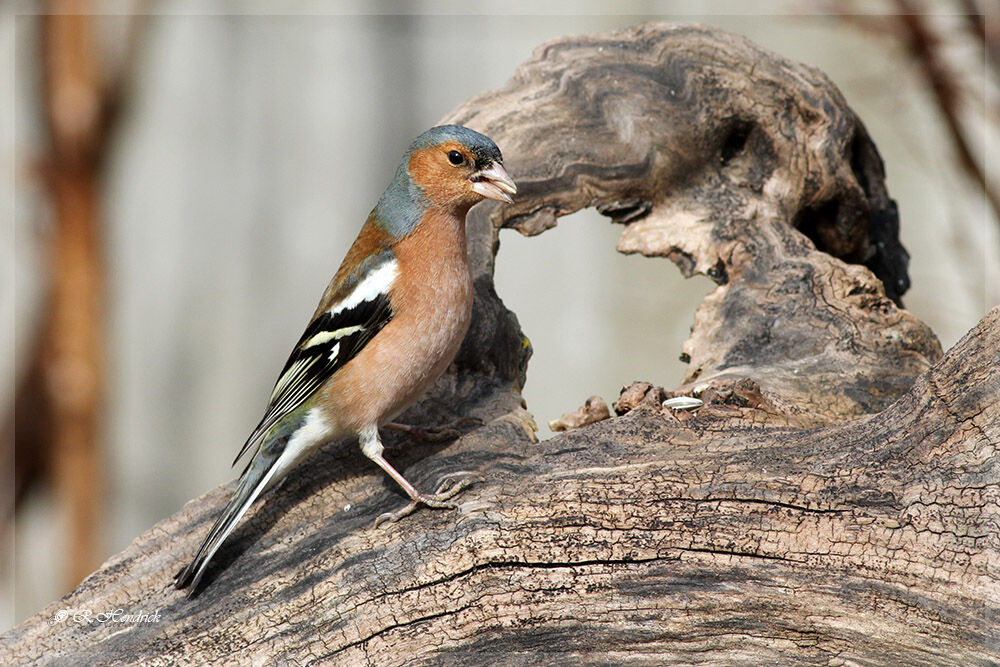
73	365
54	430
835	500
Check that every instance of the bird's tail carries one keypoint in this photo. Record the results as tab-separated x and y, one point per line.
255	480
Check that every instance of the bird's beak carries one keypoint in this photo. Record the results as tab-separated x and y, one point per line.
494	183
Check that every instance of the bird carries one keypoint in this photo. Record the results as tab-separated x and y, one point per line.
387	326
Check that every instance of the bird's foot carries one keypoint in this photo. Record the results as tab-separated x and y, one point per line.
451	485
448	431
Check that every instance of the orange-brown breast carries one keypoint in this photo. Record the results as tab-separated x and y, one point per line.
432	306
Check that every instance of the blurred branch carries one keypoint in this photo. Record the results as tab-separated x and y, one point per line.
915	29
985	32
925	46
26	436
72	365
56	420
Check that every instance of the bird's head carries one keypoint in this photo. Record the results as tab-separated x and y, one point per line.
459	167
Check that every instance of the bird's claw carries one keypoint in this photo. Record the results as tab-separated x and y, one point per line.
452	483
449	487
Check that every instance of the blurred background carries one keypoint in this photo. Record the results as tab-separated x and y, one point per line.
181	180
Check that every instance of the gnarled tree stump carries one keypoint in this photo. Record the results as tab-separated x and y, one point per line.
835	500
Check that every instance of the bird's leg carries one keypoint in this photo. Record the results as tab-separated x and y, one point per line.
447	431
450	485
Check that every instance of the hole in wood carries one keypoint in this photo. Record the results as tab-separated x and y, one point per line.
736	141
597	320
819	224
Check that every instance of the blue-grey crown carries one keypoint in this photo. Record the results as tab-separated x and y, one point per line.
481	146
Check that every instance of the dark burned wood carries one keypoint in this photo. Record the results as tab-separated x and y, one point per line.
836	499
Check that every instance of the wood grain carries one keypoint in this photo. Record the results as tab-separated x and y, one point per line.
835	501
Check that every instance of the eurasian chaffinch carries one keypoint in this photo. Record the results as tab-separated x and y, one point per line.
388	325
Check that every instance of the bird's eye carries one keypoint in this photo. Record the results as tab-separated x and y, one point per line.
455	158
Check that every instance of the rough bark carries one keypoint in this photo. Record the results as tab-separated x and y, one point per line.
834	501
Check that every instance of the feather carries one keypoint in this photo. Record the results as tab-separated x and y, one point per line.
332	339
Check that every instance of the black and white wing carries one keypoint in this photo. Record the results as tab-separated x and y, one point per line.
332	339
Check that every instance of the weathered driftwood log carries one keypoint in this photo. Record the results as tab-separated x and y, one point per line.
835	500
